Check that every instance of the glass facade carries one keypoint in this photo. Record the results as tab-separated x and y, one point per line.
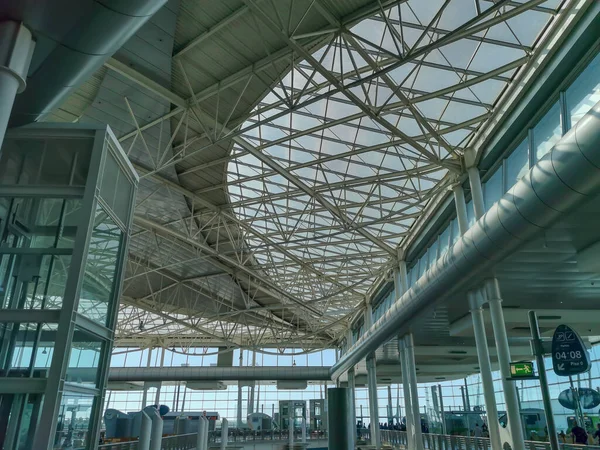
179	398
61	259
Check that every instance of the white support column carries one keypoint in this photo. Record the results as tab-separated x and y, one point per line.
390	407
461	208
162	363
145	430
485	369
224	433
239	400
206	434
250	408
145	392
414	392
511	398
372	385
202	438
373	401
16	50
157	431
304	427
352	406
410	427
474	183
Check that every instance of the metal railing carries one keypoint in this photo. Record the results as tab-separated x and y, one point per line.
179	442
270	435
188	441
451	442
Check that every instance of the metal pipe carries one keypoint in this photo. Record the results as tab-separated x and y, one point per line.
510	391
485	369
95	37
214	373
564	179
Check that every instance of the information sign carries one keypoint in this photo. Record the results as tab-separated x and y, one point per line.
569	355
521	369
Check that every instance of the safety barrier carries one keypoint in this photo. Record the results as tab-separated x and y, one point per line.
448	442
188	441
271	435
179	442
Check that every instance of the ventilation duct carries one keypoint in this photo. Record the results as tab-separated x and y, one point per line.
563	180
103	27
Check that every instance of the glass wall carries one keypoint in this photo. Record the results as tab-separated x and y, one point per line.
179	398
61	259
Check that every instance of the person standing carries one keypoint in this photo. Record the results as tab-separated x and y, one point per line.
478	432
579	434
597	433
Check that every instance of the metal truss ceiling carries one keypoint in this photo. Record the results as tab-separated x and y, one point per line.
306	139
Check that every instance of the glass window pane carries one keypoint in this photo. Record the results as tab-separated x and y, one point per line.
455	231
470	214
84	359
73	426
547	132
99	278
517	164
584	92
444	240
493	189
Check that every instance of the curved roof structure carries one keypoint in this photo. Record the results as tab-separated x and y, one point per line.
289	149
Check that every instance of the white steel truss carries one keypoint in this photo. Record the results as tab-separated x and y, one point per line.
360	125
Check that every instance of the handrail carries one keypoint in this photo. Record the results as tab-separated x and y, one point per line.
457	442
188	441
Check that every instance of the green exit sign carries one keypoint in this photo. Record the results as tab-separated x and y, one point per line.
521	369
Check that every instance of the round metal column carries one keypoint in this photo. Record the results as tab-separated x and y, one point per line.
510	390
373	401
16	50
461	208
338	405
412	377
352	406
145	430
476	191
410	427
485	369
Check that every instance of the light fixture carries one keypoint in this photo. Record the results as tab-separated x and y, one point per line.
44	352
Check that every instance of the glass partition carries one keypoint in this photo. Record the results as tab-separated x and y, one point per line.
547	132
61	259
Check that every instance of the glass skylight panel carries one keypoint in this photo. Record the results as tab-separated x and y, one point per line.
349	174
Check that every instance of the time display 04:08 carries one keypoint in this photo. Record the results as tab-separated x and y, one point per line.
573	354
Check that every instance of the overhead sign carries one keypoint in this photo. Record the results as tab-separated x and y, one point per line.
521	369
588	398
569	355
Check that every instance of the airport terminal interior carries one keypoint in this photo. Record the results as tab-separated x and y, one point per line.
292	224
